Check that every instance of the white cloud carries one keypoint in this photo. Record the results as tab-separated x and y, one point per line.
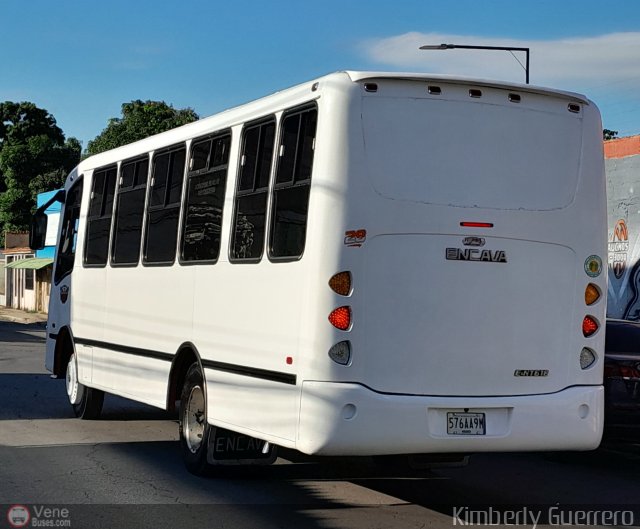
564	62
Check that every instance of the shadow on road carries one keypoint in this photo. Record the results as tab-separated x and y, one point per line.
22	332
36	396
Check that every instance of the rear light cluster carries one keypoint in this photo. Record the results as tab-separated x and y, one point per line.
590	325
624	372
341	317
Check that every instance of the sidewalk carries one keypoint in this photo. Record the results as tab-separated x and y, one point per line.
20	316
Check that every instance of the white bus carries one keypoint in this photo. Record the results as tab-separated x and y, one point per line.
364	264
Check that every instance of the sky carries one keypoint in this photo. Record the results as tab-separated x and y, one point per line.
82	59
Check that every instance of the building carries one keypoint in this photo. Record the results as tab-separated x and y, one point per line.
622	165
27	274
19	291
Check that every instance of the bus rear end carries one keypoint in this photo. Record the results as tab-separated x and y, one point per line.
477	305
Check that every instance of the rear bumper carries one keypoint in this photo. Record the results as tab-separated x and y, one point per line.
349	419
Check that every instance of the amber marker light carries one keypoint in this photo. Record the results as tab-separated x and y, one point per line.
589	326
341	283
591	294
340	318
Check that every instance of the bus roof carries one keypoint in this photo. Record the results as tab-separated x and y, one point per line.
357	76
267	102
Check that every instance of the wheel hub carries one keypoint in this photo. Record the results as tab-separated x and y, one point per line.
194	419
74	388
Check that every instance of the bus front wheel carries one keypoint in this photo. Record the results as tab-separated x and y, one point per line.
194	428
86	402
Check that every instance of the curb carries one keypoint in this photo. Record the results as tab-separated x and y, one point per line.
23	320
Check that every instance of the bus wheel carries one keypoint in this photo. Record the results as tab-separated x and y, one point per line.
194	428
86	402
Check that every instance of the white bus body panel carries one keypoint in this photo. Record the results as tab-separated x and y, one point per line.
348	419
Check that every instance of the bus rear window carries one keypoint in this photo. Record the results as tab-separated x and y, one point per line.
471	154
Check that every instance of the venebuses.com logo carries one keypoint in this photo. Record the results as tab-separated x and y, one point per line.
20	516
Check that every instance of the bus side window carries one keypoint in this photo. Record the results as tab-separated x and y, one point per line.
99	217
129	212
206	185
164	207
66	253
290	202
252	191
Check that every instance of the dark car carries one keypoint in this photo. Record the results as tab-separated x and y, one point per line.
622	378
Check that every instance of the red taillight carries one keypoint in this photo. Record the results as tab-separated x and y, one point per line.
629	373
341	318
477	224
589	326
621	371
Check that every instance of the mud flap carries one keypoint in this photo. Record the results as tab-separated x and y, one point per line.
230	448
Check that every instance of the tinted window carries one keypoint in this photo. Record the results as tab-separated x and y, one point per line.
164	207
99	218
251	193
129	212
290	203
66	251
205	199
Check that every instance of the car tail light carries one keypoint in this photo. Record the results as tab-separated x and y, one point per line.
589	326
621	371
591	294
629	373
340	318
341	283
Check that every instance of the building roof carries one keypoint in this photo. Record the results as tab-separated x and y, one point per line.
33	263
17	251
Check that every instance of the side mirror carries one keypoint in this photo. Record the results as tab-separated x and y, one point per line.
38	232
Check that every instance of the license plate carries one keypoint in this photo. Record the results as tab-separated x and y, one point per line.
465	423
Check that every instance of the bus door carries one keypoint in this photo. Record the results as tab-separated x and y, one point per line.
60	297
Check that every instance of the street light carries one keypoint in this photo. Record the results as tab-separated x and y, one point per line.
467	47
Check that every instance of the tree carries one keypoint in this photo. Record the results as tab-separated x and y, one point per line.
34	157
139	120
609	134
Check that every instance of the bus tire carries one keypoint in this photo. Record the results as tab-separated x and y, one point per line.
193	426
86	402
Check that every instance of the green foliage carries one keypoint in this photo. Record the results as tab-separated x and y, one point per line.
139	120
34	157
609	134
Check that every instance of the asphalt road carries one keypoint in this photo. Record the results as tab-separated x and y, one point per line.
124	471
